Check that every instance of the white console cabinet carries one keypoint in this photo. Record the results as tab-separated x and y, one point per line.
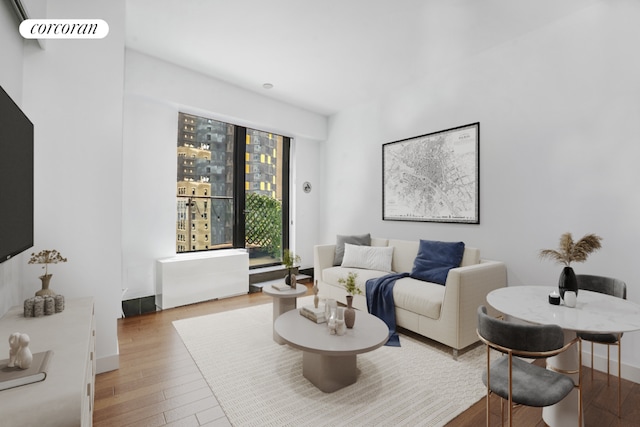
65	397
195	277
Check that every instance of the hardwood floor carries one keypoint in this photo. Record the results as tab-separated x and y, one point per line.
158	384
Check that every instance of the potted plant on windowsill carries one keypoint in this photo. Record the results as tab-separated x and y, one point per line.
289	259
349	284
568	252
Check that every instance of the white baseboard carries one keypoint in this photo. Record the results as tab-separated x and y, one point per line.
630	373
106	364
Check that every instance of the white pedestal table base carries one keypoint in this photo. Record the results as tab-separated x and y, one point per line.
564	413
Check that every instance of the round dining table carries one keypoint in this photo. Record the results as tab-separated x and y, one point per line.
594	313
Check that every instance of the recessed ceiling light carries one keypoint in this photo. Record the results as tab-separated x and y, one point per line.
267	85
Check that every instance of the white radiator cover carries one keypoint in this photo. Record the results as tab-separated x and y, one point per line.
195	277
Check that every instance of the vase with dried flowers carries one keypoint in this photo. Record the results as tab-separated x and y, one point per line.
289	259
349	285
568	252
46	257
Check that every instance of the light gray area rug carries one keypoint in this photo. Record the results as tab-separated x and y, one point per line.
259	383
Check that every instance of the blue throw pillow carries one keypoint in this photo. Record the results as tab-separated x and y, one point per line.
435	259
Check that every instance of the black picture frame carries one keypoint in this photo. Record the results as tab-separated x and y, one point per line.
433	177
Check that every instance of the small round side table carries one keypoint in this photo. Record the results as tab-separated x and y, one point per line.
283	301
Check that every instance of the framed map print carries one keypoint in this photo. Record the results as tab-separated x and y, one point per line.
433	177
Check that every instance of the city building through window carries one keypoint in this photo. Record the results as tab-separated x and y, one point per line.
232	189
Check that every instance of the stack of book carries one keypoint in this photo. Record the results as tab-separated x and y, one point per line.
281	287
15	377
313	314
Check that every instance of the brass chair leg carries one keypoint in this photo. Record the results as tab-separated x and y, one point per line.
488	386
608	364
510	390
580	409
619	375
619	345
488	416
592	368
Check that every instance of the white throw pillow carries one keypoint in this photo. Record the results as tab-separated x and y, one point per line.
369	257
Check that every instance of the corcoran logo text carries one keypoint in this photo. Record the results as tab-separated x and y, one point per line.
64	29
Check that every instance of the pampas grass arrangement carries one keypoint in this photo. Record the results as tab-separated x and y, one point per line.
570	251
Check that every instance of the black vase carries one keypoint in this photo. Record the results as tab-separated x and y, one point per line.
567	281
290	279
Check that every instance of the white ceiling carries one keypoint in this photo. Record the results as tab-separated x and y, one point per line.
328	55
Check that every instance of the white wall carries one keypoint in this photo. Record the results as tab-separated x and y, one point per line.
73	94
155	91
305	206
11	46
558	110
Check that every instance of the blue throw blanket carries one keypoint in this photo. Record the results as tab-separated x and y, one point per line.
380	302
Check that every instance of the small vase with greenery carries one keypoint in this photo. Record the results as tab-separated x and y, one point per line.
568	252
349	284
289	260
46	257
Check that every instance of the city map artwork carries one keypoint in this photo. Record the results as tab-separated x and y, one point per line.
433	177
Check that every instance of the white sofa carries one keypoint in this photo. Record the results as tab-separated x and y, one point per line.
447	314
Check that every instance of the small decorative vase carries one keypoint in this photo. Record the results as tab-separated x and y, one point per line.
341	327
45	286
349	313
315	295
290	279
570	298
331	321
567	281
329	306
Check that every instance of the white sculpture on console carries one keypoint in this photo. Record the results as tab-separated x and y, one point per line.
24	357
20	354
14	346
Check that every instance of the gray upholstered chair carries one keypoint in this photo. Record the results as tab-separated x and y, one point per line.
516	380
609	286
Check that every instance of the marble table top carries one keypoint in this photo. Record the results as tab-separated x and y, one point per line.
594	312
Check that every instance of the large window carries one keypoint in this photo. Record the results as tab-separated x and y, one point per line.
232	189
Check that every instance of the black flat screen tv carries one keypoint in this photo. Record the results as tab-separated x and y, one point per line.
16	179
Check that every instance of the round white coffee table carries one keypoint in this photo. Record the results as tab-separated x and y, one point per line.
283	301
329	361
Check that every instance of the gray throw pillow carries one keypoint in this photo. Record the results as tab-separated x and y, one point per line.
359	240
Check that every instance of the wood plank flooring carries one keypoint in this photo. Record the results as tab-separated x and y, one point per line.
158	384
